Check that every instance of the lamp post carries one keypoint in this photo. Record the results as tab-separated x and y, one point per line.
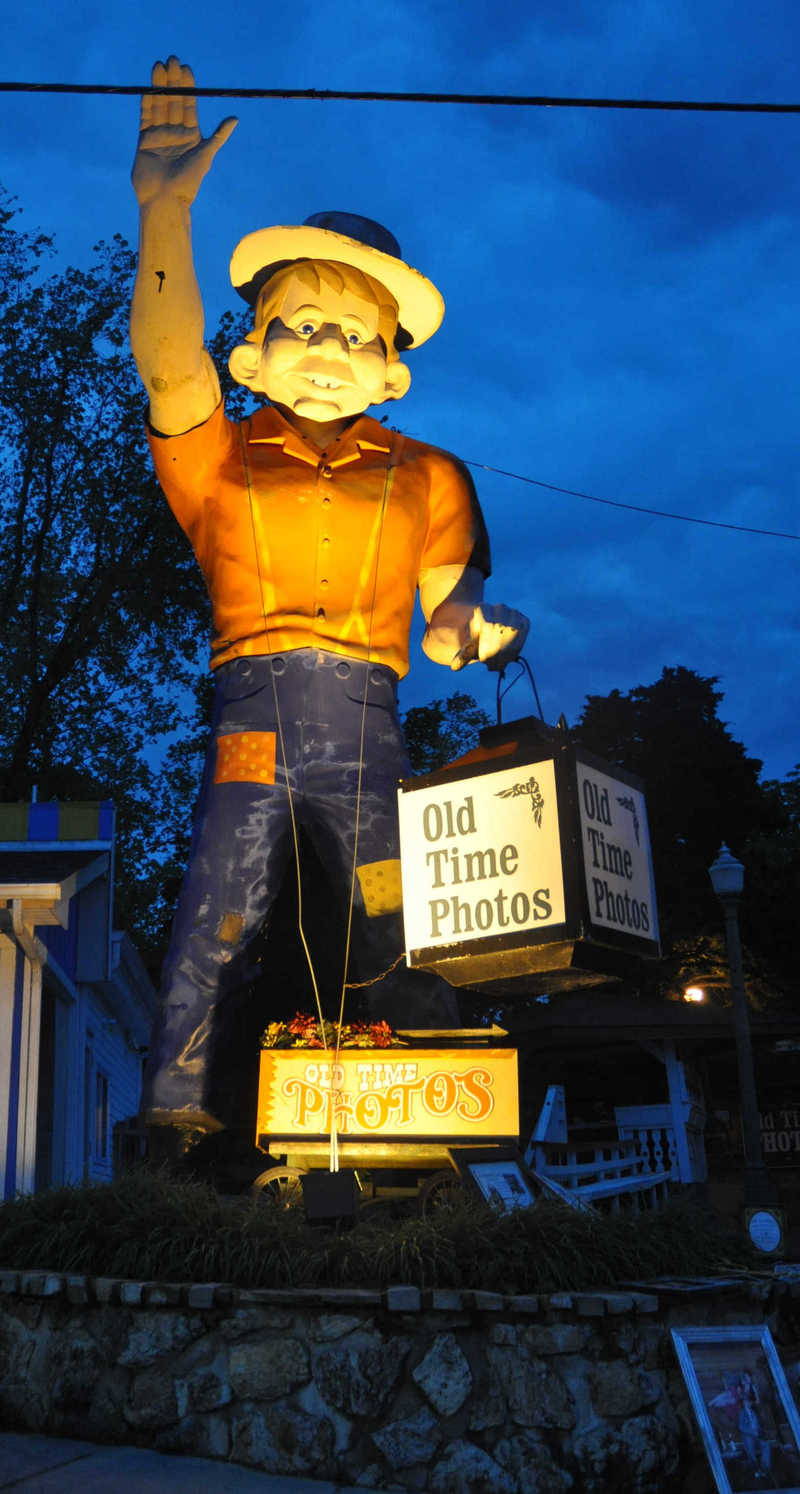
727	879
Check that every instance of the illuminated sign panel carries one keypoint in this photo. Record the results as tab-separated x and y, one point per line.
616	854
481	857
389	1092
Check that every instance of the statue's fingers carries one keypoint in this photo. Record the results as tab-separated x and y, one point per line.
175	103
222	133
156	101
189	101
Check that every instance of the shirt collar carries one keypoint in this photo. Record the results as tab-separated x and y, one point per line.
269	428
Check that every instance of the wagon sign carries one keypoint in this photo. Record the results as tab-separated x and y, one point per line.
389	1093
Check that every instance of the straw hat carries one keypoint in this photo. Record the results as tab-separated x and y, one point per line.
344	238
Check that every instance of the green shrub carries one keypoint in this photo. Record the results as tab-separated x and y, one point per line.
147	1226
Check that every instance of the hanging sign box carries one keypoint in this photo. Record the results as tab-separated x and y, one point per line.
527	860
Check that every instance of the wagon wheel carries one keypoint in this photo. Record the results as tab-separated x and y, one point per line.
440	1189
281	1187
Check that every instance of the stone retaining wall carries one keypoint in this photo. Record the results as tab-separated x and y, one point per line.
469	1392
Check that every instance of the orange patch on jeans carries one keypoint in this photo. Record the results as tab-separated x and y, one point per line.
246	757
381	887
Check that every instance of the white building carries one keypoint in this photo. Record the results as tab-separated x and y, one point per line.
76	1003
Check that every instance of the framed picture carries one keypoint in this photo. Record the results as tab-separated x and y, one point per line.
498	1173
744	1409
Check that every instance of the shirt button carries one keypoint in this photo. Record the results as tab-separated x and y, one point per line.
323	583
320	612
326	471
325	539
326	500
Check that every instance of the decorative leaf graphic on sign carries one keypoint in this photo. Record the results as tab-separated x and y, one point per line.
532	788
626	802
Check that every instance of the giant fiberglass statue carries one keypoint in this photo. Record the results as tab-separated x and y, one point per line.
313	525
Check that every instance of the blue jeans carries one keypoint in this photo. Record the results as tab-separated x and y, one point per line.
242	843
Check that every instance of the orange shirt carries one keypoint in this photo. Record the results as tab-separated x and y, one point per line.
306	549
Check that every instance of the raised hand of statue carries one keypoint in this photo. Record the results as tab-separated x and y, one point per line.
172	157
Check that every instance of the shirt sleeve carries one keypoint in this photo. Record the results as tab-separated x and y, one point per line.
456	529
188	466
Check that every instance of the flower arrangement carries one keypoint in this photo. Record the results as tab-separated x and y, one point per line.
304	1031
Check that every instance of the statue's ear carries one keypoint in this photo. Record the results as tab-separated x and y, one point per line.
244	362
398	380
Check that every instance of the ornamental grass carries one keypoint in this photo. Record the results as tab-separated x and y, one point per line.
147	1226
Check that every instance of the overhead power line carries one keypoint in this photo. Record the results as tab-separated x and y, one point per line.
323	95
636	508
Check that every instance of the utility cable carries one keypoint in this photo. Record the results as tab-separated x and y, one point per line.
324	95
636	508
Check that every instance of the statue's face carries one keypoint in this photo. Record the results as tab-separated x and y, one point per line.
322	357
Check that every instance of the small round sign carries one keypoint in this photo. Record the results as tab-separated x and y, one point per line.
765	1230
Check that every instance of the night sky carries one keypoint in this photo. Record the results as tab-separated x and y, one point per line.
622	288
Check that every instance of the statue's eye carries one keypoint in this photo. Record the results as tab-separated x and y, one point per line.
354	340
307	330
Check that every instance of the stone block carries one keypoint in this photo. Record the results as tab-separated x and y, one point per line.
106	1289
445	1299
162	1293
535	1393
489	1410
309	1400
590	1304
77	1290
154	1333
541	1339
131	1293
356	1375
487	1301
264	1369
531	1464
644	1302
403	1299
207	1385
41	1284
619	1389
467	1469
155	1401
525	1303
503	1333
248	1319
444	1375
332	1325
618	1303
597	1453
413	1440
282	1440
559	1301
651	1446
202	1294
9	1282
196	1436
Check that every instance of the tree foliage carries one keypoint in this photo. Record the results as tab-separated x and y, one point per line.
102	610
702	789
440	731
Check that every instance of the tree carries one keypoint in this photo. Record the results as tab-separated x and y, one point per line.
442	730
702	789
102	609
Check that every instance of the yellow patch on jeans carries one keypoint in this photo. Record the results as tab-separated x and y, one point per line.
381	887
246	757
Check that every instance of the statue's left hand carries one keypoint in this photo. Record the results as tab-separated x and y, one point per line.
497	635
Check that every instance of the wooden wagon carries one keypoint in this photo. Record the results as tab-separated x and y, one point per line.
401	1114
